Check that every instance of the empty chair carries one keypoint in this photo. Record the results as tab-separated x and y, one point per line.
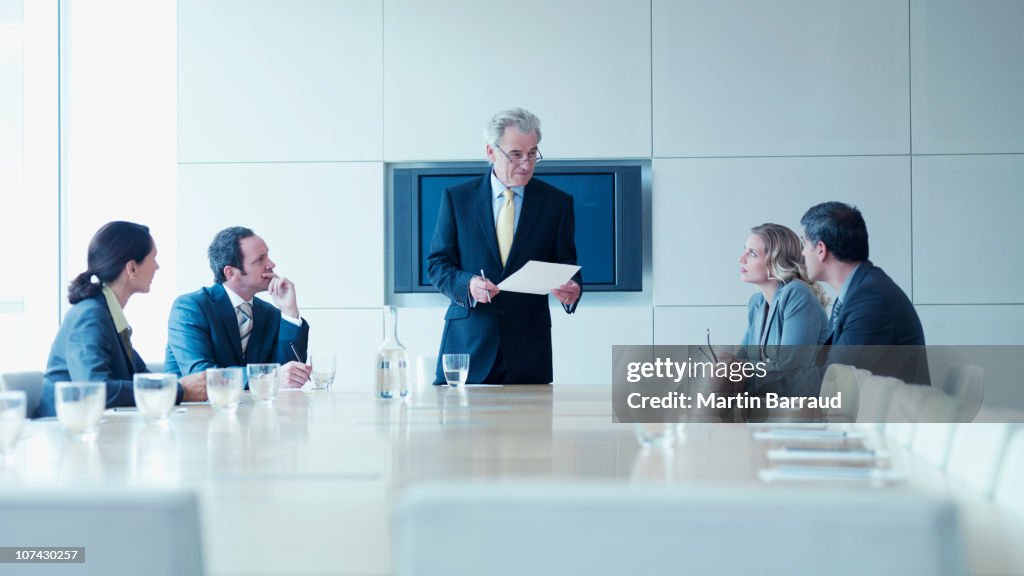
425	367
935	430
905	411
123	533
977	449
1010	485
29	382
155	367
875	395
966	383
843	379
466	529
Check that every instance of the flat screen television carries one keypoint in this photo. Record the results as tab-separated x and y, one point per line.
608	203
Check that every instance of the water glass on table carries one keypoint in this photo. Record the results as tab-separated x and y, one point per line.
456	369
12	418
155	395
224	388
80	407
263	381
322	370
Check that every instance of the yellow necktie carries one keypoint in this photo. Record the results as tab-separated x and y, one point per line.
506	226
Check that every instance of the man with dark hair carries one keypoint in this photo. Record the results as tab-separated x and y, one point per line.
873	325
224	325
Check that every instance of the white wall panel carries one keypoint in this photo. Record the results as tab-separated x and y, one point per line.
583	66
967	218
354	336
689	324
264	80
582	342
324	224
745	77
970	325
967	76
704	209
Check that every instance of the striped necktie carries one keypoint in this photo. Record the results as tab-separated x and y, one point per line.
244	315
837	306
506	225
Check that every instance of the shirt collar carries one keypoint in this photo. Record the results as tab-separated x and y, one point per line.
116	312
498	189
846	284
236	300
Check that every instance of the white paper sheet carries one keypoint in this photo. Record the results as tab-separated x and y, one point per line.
538	277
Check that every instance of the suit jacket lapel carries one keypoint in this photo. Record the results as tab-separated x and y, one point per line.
533	207
125	351
226	315
483	205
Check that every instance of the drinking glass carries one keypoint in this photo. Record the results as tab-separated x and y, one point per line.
155	395
12	418
456	368
323	367
263	382
224	388
80	406
655	434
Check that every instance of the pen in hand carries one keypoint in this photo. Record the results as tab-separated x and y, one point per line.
296	353
485	290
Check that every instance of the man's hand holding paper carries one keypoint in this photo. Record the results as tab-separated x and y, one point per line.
538	277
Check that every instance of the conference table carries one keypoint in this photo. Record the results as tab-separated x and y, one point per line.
306	485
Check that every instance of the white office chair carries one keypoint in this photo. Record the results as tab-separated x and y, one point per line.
840	378
124	533
1010	486
29	382
425	368
966	383
935	431
905	411
464	529
155	367
875	396
977	449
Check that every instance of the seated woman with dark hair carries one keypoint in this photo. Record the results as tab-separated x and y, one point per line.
94	341
786	319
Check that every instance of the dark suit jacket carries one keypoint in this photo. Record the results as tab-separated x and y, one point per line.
202	333
878	329
87	348
464	243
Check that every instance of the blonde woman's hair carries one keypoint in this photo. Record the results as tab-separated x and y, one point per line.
784	258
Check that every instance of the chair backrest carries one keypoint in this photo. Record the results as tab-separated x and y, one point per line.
155	367
843	379
875	395
123	533
1010	486
29	382
600	529
935	430
965	382
905	411
977	449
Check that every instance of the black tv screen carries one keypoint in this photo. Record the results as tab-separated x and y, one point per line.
607	202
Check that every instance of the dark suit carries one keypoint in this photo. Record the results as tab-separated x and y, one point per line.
202	333
878	329
465	242
87	348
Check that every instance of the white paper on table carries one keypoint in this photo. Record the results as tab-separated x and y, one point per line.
538	277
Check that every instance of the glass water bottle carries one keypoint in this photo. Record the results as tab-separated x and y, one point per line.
392	361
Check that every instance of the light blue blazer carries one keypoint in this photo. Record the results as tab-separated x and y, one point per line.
797	326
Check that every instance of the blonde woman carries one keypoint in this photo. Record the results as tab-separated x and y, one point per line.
786	320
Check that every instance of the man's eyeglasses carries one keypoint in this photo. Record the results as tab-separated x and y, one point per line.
518	157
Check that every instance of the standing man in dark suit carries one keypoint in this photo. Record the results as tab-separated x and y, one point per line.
873	325
487	229
225	325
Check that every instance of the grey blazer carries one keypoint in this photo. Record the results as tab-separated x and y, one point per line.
797	326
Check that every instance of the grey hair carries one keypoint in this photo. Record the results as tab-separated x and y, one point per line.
523	121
